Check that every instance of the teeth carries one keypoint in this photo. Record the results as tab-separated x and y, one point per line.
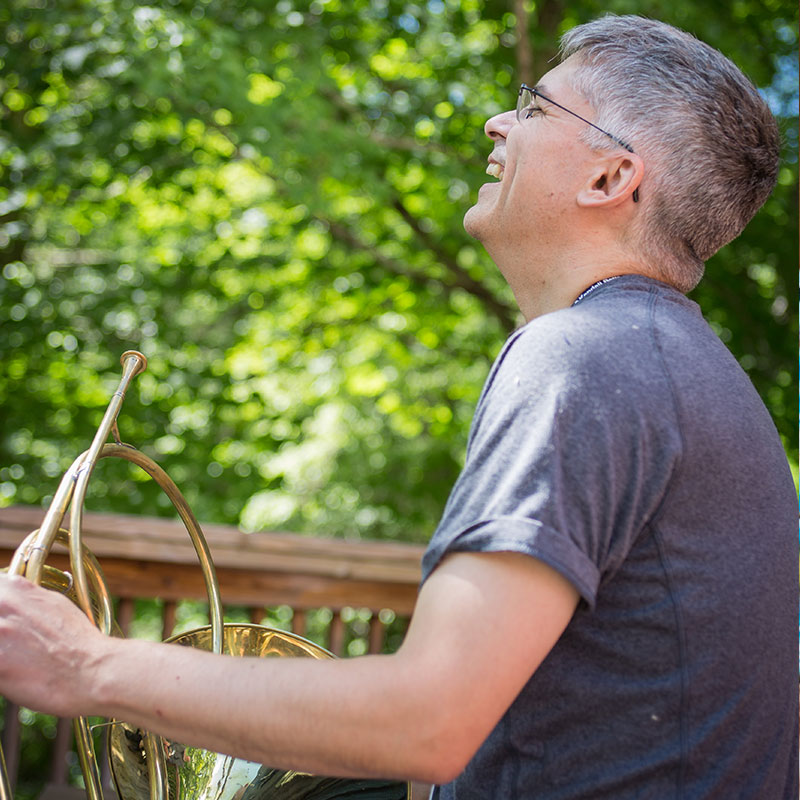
495	170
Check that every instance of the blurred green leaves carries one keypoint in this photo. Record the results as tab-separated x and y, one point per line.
266	199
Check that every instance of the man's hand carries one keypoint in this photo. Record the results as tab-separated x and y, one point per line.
47	648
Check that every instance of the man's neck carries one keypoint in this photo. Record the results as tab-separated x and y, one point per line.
549	283
562	290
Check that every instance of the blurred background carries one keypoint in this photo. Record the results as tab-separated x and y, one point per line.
266	199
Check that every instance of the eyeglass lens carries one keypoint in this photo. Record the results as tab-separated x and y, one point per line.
524	101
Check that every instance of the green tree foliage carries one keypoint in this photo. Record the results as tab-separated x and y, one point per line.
266	199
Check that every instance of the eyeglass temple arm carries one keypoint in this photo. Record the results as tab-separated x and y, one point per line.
620	142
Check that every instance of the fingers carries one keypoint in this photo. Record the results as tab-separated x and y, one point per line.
45	643
24	603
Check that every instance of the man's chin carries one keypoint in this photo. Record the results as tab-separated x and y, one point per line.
472	222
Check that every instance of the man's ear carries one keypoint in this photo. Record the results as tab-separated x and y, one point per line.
613	181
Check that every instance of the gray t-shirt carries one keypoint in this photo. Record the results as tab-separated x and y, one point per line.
621	443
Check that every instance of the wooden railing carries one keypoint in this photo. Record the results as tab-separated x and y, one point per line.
145	558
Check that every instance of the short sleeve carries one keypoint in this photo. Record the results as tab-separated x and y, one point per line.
570	450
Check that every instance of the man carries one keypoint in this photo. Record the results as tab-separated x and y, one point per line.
608	605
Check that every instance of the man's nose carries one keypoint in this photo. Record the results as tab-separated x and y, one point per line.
498	126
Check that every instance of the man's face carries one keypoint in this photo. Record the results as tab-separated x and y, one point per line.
540	164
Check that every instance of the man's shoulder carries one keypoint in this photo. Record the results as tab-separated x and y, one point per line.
623	318
619	346
587	336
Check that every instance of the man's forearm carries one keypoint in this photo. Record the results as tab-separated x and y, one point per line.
482	625
359	718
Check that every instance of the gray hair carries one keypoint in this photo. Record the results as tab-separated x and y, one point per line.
708	140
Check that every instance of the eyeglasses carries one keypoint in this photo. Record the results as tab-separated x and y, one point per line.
525	109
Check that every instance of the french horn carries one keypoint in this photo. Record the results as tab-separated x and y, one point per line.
143	765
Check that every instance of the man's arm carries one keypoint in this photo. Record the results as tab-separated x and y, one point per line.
482	625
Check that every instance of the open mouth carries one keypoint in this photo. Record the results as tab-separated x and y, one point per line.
495	170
